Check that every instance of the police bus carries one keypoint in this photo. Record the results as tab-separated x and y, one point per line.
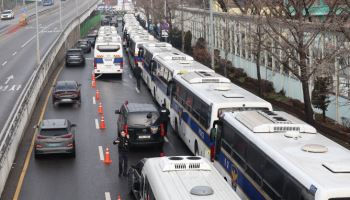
198	98
150	50
136	46
178	177
274	155
167	65
108	56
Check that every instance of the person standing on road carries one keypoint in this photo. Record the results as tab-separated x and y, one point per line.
138	74
123	148
164	117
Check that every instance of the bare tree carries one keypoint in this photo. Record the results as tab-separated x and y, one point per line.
292	29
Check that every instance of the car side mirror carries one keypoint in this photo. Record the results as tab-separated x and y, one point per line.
117	111
73	125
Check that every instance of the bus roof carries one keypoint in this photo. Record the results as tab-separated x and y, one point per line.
215	89
159	47
310	157
177	177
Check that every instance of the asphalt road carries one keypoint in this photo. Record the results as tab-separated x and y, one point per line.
86	177
18	55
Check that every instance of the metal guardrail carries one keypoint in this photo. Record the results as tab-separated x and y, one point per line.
13	130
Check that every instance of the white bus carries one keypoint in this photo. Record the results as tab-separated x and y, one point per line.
136	46
108	56
168	65
178	178
198	98
149	52
274	155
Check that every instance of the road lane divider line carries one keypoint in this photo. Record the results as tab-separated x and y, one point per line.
4	63
14	53
93	100
130	76
100	152
137	90
97	124
166	139
30	151
25	44
108	196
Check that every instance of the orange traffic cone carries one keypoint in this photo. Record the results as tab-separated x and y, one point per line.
93	76
119	198
93	83
102	122
107	159
100	108
97	96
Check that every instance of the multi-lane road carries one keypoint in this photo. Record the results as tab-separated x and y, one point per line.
18	45
84	177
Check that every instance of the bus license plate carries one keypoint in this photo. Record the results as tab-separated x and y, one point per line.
144	136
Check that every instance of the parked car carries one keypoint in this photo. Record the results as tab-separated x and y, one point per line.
140	121
7	14
66	92
92	38
75	57
85	45
55	136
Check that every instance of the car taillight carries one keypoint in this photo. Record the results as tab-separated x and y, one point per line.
162	131
67	136
126	129
40	137
38	146
70	145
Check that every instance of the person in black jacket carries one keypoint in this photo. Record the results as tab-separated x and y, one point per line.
164	117
138	74
123	148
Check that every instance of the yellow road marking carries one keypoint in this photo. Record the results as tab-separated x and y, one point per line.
26	163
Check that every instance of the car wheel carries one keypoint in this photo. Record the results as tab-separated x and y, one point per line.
67	64
36	155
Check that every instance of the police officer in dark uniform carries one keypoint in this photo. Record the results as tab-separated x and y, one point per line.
138	74
123	148
164	117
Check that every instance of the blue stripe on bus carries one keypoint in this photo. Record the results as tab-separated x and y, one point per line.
225	162
98	60
118	60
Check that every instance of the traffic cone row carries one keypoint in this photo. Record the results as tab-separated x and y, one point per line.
119	198
97	96
107	159
102	122
100	109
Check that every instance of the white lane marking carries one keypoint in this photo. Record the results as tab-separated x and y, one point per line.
100	151
14	53
166	139
108	196
96	124
32	38
130	76
137	90
4	63
94	100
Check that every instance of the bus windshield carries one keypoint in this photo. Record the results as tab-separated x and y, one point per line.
108	48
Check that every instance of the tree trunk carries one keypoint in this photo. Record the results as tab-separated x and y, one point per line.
257	56
324	115
182	28
307	102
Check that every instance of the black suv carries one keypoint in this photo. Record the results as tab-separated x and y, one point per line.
75	57
141	123
66	92
85	45
92	38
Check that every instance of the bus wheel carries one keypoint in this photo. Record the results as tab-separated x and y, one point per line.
196	152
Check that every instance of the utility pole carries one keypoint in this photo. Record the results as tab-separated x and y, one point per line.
182	27
165	14
211	35
37	34
60	14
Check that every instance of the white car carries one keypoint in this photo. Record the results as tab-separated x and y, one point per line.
7	14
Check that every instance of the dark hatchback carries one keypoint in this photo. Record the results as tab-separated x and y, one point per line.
66	92
75	57
140	121
85	45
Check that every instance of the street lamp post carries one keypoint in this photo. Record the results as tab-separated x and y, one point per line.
37	34
211	34
60	14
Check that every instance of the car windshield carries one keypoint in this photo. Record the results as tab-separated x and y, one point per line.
6	12
74	52
141	120
54	132
83	42
66	86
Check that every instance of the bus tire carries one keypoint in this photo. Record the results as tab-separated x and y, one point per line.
196	152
